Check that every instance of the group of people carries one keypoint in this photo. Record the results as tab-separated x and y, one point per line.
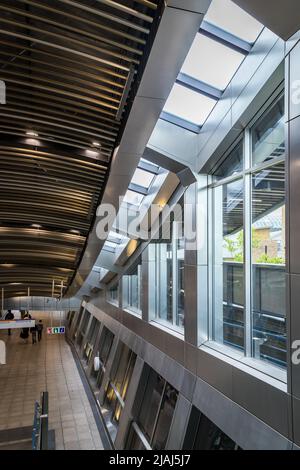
36	331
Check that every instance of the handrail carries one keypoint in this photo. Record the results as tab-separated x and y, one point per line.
40	423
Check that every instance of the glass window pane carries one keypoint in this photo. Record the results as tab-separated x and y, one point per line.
132	197
151	402
268	135
165	418
233	164
133	441
132	292
233	19
211	62
228	295
142	178
269	265
189	105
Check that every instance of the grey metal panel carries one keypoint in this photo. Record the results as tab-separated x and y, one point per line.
197	6
158	85
215	372
190	357
190	304
248	431
294	195
262	400
294	83
282	18
175	142
296	416
295	330
179	424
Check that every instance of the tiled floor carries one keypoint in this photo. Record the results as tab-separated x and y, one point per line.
49	365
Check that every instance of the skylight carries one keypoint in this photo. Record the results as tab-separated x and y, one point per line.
142	178
132	197
233	19
211	62
189	105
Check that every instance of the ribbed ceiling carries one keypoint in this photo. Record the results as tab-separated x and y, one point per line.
68	67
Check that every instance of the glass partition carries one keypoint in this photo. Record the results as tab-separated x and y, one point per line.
103	351
132	291
113	294
269	265
268	135
248	226
155	413
166	279
118	386
203	434
228	288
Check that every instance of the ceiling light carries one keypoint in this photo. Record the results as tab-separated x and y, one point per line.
36	226
96	144
32	133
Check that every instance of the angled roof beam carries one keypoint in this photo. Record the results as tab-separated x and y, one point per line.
223	37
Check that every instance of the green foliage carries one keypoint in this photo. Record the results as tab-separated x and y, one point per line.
268	260
236	247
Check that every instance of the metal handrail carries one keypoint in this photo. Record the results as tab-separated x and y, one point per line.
40	423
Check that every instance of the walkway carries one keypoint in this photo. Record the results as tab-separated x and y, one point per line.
50	366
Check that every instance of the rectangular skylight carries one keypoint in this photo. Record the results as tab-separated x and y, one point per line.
211	62
131	197
142	178
189	105
233	19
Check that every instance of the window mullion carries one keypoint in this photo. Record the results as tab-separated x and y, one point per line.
247	246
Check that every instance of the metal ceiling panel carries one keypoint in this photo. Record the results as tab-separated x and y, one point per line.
70	69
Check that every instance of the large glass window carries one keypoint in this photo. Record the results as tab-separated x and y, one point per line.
268	264
156	412
228	292
118	386
103	351
90	340
249	262
132	292
203	434
166	279
82	328
113	294
268	135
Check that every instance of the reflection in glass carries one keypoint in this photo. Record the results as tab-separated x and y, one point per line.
133	441
203	434
151	403
103	351
132	292
268	135
117	388
268	265
113	294
228	297
156	411
233	163
164	418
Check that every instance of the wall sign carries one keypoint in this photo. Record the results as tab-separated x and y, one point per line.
56	330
